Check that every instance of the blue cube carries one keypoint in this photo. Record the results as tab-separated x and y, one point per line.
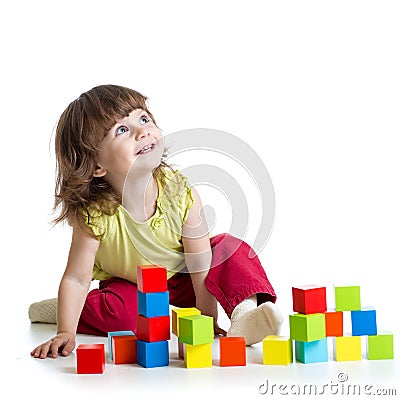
153	304
115	333
152	354
311	352
363	322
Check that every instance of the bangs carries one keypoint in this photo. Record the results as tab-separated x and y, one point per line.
108	103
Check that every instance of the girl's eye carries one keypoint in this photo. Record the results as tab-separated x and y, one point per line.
121	130
144	119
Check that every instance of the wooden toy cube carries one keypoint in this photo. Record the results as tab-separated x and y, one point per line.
363	322
347	298
109	339
334	323
181	350
196	329
153	329
180	312
151	278
309	299
152	354
198	356
153	304
90	359
312	352
232	351
307	328
124	349
347	348
277	350
380	347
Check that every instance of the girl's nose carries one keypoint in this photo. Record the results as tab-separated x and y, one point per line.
141	133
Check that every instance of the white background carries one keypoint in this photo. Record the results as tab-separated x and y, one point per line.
312	86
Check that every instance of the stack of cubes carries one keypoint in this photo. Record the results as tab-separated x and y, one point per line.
196	332
153	320
176	314
363	323
348	347
313	323
307	326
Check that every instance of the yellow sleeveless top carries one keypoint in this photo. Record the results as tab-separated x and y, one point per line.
126	243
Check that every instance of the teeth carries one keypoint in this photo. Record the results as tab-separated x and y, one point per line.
146	148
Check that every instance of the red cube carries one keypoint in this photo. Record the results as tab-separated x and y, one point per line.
153	329
151	278
90	359
309	299
232	351
334	323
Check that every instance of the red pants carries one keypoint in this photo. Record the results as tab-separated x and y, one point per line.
233	277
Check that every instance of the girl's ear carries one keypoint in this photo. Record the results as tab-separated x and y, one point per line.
99	171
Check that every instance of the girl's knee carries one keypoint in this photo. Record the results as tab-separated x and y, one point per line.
120	319
228	242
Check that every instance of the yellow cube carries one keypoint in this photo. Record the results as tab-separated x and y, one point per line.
180	312
198	356
277	350
347	348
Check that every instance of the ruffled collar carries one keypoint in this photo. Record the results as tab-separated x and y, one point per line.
163	204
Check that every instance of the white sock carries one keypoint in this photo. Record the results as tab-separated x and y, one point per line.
44	311
255	323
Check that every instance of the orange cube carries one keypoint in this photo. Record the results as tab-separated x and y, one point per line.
232	351
334	323
124	349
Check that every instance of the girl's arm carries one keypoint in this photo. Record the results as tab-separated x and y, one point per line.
72	293
198	256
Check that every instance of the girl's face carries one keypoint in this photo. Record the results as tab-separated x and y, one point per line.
133	145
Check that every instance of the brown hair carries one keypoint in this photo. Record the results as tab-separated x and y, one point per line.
80	129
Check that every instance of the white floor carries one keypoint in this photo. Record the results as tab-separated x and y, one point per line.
50	378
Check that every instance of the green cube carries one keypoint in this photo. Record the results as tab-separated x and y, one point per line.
380	347
196	329
307	328
348	298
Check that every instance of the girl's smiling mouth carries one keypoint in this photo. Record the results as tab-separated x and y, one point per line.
146	149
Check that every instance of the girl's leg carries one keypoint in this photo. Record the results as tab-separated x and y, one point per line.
181	293
111	307
239	283
44	311
235	276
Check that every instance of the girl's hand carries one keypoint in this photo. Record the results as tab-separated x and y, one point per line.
211	311
63	342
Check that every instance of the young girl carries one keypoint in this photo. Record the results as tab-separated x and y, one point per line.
128	207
